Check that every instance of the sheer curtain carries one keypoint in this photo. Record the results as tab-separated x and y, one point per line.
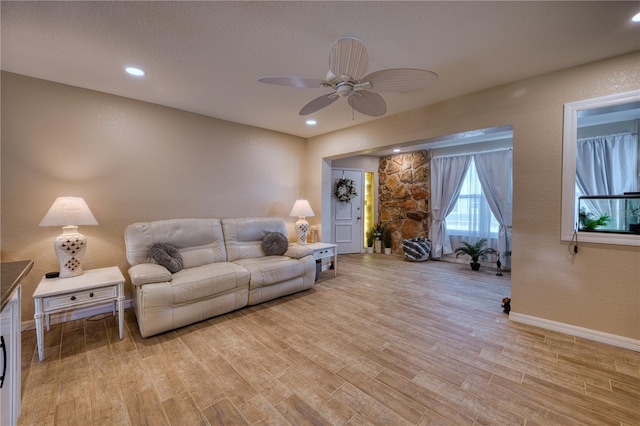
447	174
495	172
470	219
606	165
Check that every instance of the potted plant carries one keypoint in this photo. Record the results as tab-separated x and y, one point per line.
588	222
387	239
476	251
377	235
370	238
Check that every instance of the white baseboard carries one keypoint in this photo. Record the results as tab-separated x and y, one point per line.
90	311
597	336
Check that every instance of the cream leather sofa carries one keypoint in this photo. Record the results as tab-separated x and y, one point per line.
224	269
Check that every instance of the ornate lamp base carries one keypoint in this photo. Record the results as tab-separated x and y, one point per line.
70	247
302	230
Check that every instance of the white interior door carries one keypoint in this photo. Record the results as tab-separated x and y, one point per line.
346	230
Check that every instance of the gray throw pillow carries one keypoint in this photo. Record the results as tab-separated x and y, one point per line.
275	244
167	256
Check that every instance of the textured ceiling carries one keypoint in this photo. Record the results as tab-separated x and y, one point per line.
205	57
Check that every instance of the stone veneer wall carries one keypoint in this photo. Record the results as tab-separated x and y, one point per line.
404	183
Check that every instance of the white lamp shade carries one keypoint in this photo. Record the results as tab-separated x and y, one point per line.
68	211
301	208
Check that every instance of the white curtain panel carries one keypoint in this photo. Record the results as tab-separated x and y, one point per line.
607	165
495	172
476	211
447	174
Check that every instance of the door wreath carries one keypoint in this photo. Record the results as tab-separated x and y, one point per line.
345	190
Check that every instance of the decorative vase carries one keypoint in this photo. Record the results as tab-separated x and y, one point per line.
378	245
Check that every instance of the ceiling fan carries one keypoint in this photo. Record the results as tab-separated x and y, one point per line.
348	64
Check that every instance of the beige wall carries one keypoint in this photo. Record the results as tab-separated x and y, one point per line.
131	161
599	289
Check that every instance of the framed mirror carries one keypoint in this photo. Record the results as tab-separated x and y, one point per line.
601	169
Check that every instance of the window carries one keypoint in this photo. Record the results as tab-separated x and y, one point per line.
471	216
491	169
587	121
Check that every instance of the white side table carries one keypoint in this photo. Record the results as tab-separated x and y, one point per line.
93	287
323	251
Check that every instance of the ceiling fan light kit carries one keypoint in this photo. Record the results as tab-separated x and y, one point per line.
348	64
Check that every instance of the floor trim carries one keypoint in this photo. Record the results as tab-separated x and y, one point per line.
598	336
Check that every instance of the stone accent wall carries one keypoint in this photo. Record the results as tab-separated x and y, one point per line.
404	183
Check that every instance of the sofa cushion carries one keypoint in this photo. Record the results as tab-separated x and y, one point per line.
275	244
167	256
298	251
205	281
145	273
268	270
186	235
193	257
243	236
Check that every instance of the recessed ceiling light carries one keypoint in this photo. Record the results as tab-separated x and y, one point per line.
396	150
636	18
311	122
134	71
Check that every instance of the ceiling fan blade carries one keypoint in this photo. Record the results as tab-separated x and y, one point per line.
349	57
367	103
318	103
397	80
301	82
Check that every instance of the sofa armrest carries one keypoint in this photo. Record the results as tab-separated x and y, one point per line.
146	273
298	252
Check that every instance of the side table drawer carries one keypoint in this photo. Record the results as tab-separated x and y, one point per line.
79	298
324	253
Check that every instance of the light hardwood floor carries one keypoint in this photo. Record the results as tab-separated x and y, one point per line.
387	342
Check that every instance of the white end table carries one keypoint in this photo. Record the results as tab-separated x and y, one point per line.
93	287
324	250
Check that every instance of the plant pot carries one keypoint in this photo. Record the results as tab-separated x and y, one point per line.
475	266
369	249
378	245
634	228
387	250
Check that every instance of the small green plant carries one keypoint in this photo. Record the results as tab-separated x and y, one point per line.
589	222
387	238
476	251
377	230
370	236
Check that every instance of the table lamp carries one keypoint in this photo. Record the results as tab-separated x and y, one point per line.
302	209
70	246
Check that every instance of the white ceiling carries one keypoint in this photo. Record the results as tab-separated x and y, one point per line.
205	57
